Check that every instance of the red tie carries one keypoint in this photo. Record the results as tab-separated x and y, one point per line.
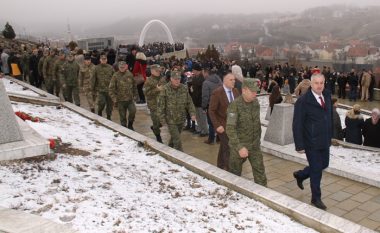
322	102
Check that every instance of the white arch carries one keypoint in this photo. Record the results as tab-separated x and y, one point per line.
149	24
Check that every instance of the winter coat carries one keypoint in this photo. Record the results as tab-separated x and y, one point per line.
337	126
312	125
196	94
208	86
371	133
354	124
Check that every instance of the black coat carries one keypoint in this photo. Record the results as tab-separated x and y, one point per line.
312	125
353	129
371	133
196	94
337	129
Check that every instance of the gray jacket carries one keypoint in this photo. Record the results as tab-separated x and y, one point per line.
208	86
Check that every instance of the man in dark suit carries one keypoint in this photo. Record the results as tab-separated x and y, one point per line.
312	132
217	110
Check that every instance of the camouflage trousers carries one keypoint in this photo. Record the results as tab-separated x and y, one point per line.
72	91
90	96
255	157
175	136
123	107
155	121
52	86
104	100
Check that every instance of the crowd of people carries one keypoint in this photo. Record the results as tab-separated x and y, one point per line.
212	98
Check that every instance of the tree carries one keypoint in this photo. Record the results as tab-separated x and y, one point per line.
8	32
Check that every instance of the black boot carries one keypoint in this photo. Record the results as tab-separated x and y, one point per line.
130	125
109	117
93	110
158	137
100	113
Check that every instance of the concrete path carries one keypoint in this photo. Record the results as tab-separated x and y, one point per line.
12	221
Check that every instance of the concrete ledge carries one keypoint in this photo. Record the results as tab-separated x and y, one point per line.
12	221
303	213
32	145
43	94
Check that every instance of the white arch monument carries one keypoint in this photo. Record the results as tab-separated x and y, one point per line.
149	24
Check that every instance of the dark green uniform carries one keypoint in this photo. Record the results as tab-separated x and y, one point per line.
122	90
151	92
99	84
85	74
69	78
173	103
48	73
244	130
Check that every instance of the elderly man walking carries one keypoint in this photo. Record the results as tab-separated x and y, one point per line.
312	132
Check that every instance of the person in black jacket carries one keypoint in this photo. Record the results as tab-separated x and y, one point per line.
354	124
312	133
371	129
337	124
196	95
342	82
353	82
34	77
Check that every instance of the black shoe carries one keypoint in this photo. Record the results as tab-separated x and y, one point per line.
93	110
319	204
130	126
196	132
158	138
299	180
203	134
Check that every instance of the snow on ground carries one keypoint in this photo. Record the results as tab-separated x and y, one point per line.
13	87
121	187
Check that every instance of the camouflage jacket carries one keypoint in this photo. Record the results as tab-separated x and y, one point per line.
122	87
57	69
173	103
85	74
70	74
151	91
243	124
48	67
41	65
101	78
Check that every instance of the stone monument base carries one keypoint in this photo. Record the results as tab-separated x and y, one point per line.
32	145
279	129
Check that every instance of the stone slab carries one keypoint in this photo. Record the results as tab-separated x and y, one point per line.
279	129
32	145
9	129
13	221
306	214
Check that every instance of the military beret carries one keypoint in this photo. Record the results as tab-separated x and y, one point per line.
155	66
87	57
251	84
175	74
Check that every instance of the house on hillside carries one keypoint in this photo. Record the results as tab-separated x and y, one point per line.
358	55
263	52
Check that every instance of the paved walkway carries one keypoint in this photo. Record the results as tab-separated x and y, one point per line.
349	199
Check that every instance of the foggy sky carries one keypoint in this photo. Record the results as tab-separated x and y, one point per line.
35	14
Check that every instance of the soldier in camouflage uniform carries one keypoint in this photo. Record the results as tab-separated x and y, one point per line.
244	132
25	57
48	72
85	73
40	67
152	89
100	83
57	71
123	91
173	103
69	78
